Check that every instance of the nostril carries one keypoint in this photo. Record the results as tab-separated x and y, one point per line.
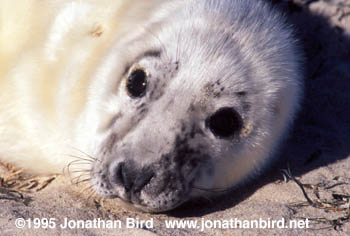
142	180
123	176
131	178
193	163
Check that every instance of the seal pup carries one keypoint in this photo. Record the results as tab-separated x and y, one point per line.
171	103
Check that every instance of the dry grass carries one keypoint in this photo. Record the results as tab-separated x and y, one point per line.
323	197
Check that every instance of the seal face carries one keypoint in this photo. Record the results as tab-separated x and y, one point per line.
201	106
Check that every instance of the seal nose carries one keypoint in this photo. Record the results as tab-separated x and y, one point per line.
123	176
132	179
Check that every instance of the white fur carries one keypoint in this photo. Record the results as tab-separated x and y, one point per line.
60	80
49	57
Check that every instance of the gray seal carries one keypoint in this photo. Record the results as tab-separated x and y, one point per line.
204	99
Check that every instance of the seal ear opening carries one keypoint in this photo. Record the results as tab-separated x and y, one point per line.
224	123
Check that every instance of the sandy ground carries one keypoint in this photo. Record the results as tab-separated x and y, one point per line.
316	153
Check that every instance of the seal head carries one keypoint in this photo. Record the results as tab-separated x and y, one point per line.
202	102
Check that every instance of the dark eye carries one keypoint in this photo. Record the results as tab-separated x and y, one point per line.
137	83
224	123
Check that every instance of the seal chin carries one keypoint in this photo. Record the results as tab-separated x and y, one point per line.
159	203
163	194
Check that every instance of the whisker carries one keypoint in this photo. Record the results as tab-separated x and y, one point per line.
158	39
84	190
91	194
82	181
87	155
82	171
77	179
72	163
82	175
80	158
79	163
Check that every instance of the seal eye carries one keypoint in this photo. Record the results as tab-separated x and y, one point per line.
137	83
224	123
